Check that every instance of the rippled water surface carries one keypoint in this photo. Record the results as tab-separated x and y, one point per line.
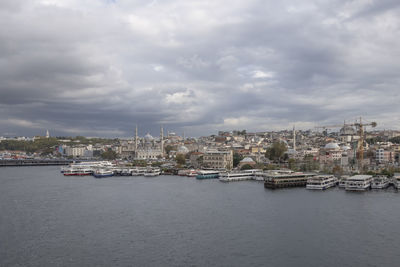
47	219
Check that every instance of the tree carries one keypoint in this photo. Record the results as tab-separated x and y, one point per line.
109	155
246	167
276	151
292	164
337	170
180	159
168	148
236	159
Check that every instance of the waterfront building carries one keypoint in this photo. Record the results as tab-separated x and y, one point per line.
220	160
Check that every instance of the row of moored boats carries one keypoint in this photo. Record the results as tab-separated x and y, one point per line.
102	169
352	183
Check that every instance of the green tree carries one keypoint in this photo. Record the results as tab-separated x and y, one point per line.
246	167
109	155
292	164
236	159
168	148
276	151
180	159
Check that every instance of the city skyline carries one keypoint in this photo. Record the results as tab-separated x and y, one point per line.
97	68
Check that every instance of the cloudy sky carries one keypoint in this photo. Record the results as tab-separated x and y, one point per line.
98	67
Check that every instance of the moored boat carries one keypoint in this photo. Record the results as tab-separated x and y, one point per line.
321	182
379	182
358	183
205	174
101	173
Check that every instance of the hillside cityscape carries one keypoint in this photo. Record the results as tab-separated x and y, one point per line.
348	149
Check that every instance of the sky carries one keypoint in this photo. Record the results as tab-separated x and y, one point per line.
98	68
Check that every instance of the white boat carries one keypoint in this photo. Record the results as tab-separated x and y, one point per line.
152	172
192	173
101	173
321	182
235	176
238	176
396	180
140	171
342	181
379	182
358	183
77	171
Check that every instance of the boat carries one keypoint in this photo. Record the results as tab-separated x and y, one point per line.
379	182
74	171
235	176
207	174
101	173
342	181
192	173
396	180
152	172
183	172
358	183
321	182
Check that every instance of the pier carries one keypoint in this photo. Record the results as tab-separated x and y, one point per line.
287	180
33	162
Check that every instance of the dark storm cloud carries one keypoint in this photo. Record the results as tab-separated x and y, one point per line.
100	67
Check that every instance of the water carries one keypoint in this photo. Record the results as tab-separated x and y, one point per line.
47	219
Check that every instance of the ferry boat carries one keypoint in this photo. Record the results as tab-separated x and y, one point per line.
205	174
183	172
379	182
358	183
396	180
73	171
342	181
192	173
235	176
152	172
101	173
138	171
321	182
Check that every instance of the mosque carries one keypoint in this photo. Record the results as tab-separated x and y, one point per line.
148	147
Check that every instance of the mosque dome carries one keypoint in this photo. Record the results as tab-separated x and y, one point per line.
347	130
183	150
345	148
247	160
332	146
148	138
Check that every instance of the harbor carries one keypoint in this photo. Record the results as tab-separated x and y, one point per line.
271	179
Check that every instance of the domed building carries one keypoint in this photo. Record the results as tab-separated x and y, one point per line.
347	130
332	146
182	150
330	153
246	161
148	138
347	133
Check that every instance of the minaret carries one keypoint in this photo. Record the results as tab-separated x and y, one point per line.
183	136
136	140
294	138
162	141
47	134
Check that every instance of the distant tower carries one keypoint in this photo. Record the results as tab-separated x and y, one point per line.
184	136
294	138
47	134
136	140
162	141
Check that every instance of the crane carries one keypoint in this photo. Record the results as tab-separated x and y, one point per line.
360	125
